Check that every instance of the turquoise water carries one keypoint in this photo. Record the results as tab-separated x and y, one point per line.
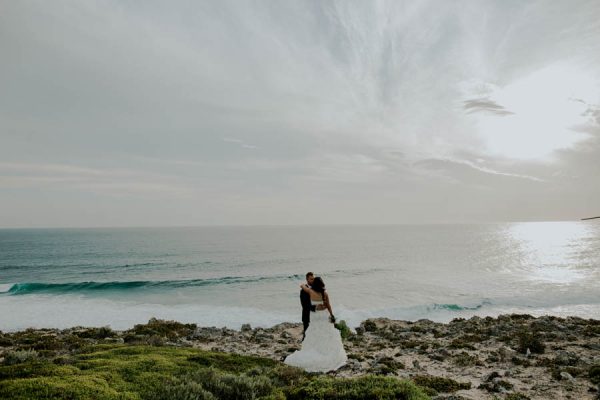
227	276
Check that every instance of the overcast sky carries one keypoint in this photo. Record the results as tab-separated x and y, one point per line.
132	113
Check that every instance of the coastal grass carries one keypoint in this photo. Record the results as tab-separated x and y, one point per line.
144	372
365	387
440	384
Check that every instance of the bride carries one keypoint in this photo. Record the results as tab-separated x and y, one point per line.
322	349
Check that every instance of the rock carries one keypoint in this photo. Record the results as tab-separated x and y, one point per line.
416	364
262	337
506	353
227	332
206	334
246	328
566	358
492	376
369	326
440	355
496	385
355	365
567	376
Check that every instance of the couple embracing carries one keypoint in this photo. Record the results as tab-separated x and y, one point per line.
322	348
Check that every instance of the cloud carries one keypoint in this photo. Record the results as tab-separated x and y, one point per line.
271	103
467	172
240	142
485	105
109	181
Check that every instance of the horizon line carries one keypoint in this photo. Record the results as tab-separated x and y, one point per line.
289	225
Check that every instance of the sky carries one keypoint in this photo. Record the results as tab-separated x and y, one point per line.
185	113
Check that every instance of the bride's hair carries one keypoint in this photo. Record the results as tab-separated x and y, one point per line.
319	286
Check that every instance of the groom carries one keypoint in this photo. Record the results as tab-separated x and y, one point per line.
307	306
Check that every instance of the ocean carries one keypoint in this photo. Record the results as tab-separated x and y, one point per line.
228	276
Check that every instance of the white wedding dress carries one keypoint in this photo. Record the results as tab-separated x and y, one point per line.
322	349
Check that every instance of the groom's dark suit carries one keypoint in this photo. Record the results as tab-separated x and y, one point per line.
307	307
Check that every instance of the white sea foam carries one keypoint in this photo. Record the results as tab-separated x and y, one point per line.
5	287
354	317
47	311
67	311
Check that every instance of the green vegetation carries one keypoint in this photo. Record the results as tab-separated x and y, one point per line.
369	326
440	384
465	359
412	344
12	357
496	386
142	372
157	332
345	331
386	365
516	396
366	387
529	340
466	342
95	333
594	374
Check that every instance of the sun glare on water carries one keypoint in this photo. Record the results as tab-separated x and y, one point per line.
550	249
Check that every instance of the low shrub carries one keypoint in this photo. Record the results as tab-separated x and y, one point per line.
521	317
594	374
209	383
386	365
411	344
440	384
169	329
12	357
365	387
464	359
529	340
181	390
96	333
516	396
230	362
521	361
496	386
231	387
417	329
285	375
369	326
33	369
459	343
5	340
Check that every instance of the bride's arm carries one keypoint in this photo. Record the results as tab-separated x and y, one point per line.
305	287
327	303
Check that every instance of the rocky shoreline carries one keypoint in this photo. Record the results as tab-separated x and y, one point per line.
508	357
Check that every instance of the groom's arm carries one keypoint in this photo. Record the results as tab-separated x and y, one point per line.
306	303
305	298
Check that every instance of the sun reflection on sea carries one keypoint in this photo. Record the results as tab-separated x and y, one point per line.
549	250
